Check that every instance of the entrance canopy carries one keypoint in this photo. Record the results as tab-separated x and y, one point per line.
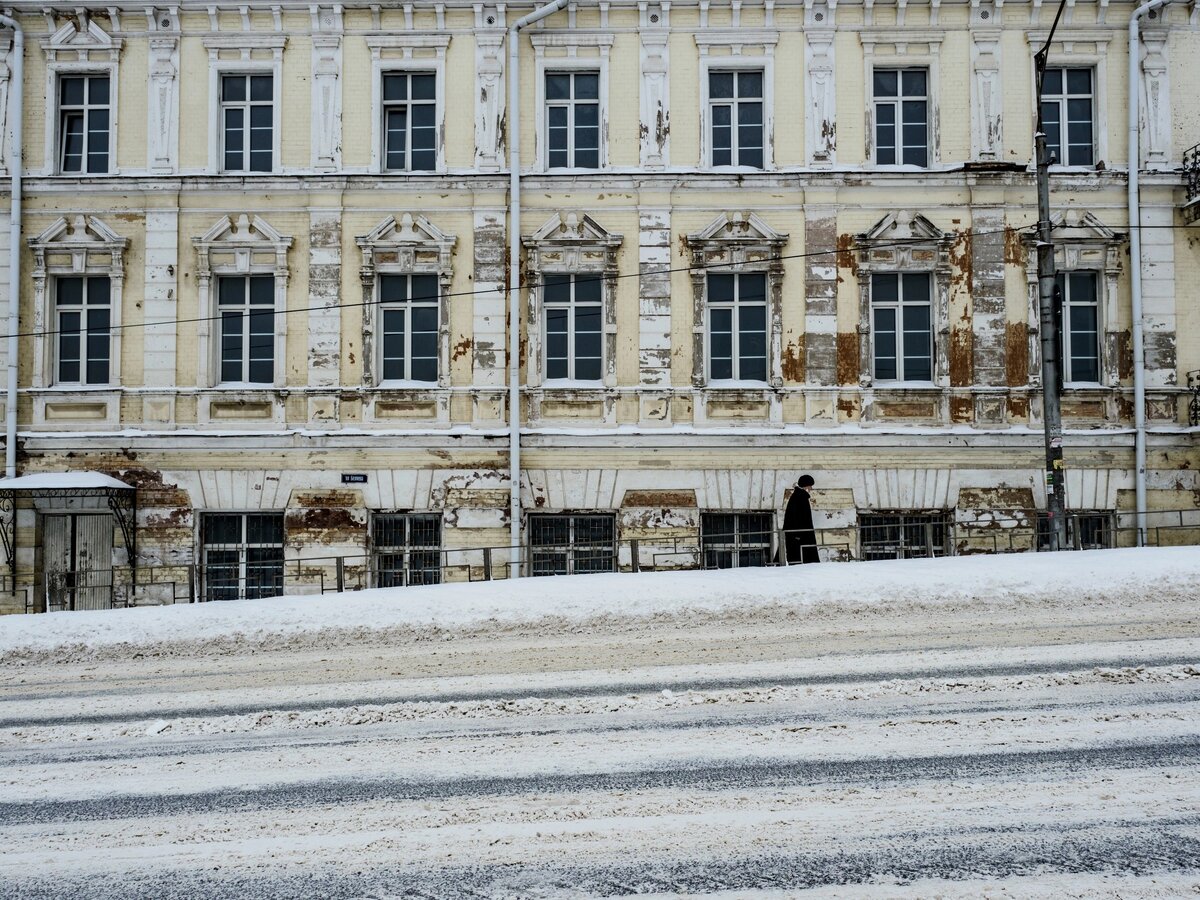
121	497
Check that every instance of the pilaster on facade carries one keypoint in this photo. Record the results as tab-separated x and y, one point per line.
325	313
989	319
820	94
489	93
489	331
987	94
162	101
326	88
1155	108
161	311
654	316
1160	295
820	310
655	95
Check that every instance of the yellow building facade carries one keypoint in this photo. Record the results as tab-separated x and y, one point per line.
264	281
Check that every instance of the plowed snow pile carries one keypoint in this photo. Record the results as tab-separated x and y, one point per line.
1161	574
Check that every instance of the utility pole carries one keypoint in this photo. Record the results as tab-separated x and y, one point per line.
1049	313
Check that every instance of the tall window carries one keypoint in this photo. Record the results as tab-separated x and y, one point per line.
572	315
84	312
408	307
734	540
737	327
573	120
407	548
1067	116
410	121
247	129
902	326
243	555
565	544
247	310
735	108
84	114
901	117
1080	326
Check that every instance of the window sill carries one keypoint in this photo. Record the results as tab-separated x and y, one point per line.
732	385
567	384
906	385
399	385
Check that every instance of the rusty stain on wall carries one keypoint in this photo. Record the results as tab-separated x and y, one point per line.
845	252
1015	251
961	409
1016	356
847	358
461	349
792	363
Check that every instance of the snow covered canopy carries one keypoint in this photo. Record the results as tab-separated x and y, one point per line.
122	501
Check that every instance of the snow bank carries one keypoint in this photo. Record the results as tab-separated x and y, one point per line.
1140	573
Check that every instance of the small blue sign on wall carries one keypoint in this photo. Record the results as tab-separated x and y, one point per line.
353	478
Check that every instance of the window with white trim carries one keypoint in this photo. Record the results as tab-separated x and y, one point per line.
246	306
737	327
85	118
902	326
737	124
83	308
573	120
247	122
409	121
1080	326
1068	115
573	314
408	327
901	116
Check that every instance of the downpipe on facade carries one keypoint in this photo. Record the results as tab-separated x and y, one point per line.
16	115
514	277
1135	259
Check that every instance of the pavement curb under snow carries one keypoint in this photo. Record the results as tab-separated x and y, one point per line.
1150	573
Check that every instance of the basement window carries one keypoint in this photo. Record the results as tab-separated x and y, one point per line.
406	549
572	544
242	555
1086	530
736	540
903	534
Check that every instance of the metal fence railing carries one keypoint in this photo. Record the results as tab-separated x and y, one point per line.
872	536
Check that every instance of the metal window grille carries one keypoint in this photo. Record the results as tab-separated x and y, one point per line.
735	109
1086	530
1067	116
737	327
901	117
410	121
247	123
573	312
902	326
736	540
246	304
242	554
83	307
573	120
408	311
572	544
904	534
1080	326
84	122
406	548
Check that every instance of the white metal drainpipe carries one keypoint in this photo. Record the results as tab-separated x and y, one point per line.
16	115
1135	257
514	276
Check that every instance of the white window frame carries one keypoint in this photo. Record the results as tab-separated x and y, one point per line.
85	247
571	105
247	246
736	305
82	309
86	109
559	52
571	305
72	51
246	309
897	104
408	105
1068	305
899	305
433	303
1079	48
256	54
242	547
730	46
408	53
246	106
1061	99
733	102
887	49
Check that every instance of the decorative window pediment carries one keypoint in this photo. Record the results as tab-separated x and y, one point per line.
906	244
406	247
245	246
736	244
572	244
83	40
79	247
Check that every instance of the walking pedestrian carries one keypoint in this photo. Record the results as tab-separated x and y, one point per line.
800	537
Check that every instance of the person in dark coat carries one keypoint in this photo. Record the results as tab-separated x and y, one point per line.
800	537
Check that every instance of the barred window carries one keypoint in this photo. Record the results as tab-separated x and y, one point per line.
242	555
736	540
1086	530
406	548
902	534
572	544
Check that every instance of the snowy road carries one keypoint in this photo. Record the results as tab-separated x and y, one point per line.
998	750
